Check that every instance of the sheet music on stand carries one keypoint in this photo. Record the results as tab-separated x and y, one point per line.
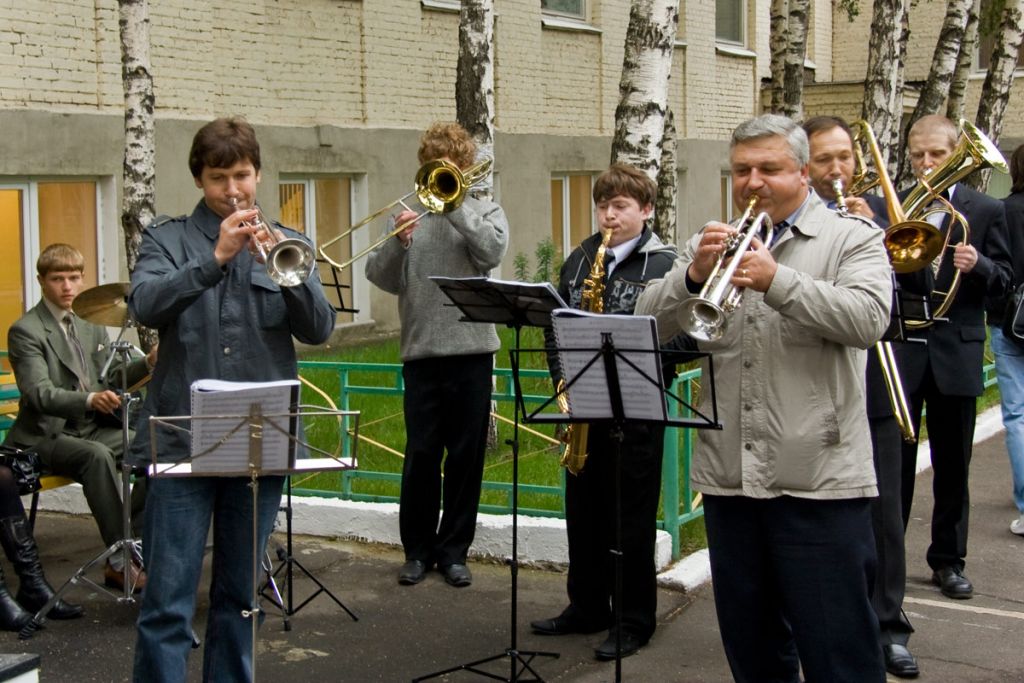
578	333
486	299
222	444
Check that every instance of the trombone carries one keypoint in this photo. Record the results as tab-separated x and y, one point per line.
886	357
440	187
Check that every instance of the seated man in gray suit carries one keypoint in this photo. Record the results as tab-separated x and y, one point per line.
57	359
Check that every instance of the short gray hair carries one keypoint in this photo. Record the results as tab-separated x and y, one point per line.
769	125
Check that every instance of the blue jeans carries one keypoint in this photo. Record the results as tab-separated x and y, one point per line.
178	515
1010	371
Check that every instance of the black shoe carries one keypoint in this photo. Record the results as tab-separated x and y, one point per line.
952	583
630	645
412	572
20	547
457	575
899	662
563	625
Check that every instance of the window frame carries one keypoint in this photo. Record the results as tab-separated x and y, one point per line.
580	16
742	28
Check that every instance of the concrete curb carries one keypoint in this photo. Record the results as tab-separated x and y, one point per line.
541	539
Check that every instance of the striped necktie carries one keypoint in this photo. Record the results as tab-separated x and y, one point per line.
76	348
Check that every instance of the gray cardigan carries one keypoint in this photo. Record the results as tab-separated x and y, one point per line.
467	242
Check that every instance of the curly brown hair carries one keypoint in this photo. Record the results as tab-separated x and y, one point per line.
447	139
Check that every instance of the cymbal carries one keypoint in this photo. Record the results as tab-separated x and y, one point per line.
103	304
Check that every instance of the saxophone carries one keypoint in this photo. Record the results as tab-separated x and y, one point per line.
574	457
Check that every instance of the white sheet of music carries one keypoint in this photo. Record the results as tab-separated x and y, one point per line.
229	438
579	336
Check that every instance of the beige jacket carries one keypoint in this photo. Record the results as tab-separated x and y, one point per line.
789	370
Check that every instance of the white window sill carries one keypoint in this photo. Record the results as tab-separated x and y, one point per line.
442	5
734	50
566	24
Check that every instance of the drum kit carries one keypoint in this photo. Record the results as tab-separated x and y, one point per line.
107	305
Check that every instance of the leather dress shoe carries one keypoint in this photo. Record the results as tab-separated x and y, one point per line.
457	575
563	625
630	645
412	572
114	578
899	662
952	583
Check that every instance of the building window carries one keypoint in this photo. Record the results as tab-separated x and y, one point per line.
985	45
730	23
321	208
726	203
572	212
34	215
566	8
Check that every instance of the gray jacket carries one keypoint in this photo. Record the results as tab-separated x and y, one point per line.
467	242
231	323
789	370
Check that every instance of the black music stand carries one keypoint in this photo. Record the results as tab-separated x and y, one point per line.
259	430
516	304
621	372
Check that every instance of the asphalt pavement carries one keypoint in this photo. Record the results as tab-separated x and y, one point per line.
404	633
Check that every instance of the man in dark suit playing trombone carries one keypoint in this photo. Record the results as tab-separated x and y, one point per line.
833	159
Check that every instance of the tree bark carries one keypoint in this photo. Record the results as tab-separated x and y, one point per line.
665	204
777	41
643	87
883	84
958	87
995	92
139	167
796	52
474	81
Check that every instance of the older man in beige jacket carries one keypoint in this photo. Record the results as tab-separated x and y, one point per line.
787	481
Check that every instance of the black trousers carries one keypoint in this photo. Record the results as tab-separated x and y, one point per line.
887	524
950	422
447	406
591	527
793	575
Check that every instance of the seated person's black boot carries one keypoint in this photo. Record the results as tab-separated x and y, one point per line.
34	591
12	616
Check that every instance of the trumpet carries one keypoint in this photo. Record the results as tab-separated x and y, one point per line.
705	316
440	186
289	260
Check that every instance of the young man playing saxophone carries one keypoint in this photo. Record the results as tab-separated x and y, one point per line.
623	203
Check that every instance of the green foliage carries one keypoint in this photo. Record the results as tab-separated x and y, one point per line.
851	7
546	270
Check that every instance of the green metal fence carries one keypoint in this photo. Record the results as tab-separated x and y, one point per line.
677	497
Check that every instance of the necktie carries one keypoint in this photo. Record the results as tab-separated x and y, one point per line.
609	260
76	350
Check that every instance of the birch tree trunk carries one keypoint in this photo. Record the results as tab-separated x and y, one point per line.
777	41
665	204
796	51
140	139
995	92
474	81
643	87
958	87
883	83
139	167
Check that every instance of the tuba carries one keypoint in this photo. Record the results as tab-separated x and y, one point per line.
574	457
912	243
704	317
973	151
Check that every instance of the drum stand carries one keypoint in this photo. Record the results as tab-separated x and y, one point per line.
124	545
